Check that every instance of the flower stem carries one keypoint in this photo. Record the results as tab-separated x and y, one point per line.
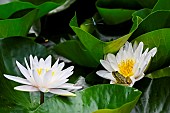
41	97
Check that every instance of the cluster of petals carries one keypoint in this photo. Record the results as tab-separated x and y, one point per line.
130	63
41	76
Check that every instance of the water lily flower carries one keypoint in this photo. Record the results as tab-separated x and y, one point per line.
128	65
41	76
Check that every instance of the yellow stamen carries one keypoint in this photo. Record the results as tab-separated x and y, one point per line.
53	73
126	67
39	71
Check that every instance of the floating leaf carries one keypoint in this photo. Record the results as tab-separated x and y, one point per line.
10	8
155	97
75	51
165	72
104	97
160	39
155	20
18	26
162	5
147	3
116	11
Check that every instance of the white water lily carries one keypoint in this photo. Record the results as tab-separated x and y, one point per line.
128	65
41	76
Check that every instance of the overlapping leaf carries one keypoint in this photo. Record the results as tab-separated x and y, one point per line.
116	11
155	97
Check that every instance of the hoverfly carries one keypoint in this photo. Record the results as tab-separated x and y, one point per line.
121	79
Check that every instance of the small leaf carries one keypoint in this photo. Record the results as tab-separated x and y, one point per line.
165	72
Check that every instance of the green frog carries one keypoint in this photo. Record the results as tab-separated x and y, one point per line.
121	79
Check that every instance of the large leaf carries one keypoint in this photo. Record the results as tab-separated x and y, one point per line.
147	3
91	43
155	97
112	98
160	39
13	49
18	26
38	2
75	51
8	9
116	11
162	5
88	50
138	17
155	20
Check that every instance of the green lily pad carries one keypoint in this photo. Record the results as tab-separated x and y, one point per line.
91	43
10	8
155	20
138	17
147	3
165	72
160	39
162	5
75	51
116	11
18	26
101	97
155	97
93	49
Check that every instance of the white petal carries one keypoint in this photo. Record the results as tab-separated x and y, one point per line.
113	62
23	70
35	60
139	77
138	51
126	46
69	86
60	66
17	79
27	64
153	51
66	73
26	88
135	45
42	63
106	65
42	89
112	82
57	83
55	64
105	74
61	92
47	78
37	78
48	61
31	61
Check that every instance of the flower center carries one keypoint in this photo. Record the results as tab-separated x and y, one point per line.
126	67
